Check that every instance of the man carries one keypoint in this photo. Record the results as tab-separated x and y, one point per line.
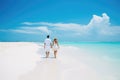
47	46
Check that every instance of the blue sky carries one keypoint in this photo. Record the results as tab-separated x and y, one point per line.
68	20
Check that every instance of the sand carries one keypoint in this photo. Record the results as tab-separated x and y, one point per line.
26	61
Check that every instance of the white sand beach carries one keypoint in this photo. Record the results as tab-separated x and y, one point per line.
26	61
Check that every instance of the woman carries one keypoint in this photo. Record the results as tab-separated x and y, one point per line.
55	46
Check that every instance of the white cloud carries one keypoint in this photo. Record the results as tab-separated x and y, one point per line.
37	29
98	21
27	23
35	23
29	30
101	25
98	26
23	31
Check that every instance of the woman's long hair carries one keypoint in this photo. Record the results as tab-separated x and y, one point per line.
55	41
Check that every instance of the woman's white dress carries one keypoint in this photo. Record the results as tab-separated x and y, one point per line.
55	47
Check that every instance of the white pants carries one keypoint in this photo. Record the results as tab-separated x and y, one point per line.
47	48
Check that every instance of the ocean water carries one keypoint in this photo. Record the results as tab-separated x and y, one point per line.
111	49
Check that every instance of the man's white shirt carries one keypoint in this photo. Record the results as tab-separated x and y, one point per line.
47	42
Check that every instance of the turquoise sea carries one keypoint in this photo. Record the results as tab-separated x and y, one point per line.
111	49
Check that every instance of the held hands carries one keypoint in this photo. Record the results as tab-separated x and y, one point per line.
58	47
51	46
44	47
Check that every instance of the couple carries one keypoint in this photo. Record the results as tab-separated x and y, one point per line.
48	44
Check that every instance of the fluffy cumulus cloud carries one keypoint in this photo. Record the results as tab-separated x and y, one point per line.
99	26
